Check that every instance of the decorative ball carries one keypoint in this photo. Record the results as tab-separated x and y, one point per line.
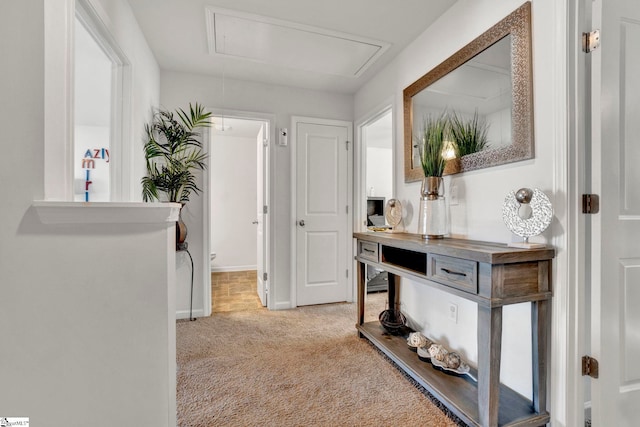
452	360
438	352
524	195
416	339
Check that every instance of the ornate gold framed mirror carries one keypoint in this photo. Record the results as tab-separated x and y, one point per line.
490	77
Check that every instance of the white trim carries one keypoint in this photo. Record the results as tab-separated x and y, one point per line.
184	314
94	19
105	212
293	136
567	343
206	309
293	133
58	99
282	305
233	268
268	229
351	290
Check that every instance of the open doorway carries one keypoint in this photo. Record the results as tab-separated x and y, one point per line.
376	172
239	225
376	180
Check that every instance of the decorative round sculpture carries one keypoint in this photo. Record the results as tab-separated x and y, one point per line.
527	213
393	213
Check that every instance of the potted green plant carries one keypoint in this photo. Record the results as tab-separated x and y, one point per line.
432	141
173	152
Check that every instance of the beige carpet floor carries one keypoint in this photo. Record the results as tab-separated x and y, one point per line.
301	367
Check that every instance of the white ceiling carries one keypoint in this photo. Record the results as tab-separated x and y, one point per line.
176	31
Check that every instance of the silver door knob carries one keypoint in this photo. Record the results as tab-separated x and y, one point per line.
254	222
301	223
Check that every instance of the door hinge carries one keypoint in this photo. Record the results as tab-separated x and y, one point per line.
590	41
265	277
346	145
347	210
589	367
347	273
265	209
265	142
590	204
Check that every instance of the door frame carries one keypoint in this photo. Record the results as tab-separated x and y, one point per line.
294	166
206	207
578	230
360	192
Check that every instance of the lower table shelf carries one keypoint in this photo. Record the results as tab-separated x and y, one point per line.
458	393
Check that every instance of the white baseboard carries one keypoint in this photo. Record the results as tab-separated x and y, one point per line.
284	305
184	314
234	268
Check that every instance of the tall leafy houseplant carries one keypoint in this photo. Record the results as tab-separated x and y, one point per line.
173	153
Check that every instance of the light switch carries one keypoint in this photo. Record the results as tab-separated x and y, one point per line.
283	137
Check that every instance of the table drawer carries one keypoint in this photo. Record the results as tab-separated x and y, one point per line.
455	272
368	250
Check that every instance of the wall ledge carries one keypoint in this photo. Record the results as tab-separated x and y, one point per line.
52	212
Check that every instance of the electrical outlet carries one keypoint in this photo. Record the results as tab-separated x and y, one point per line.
453	195
453	312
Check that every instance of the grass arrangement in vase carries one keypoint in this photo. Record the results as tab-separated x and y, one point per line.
431	141
469	136
432	218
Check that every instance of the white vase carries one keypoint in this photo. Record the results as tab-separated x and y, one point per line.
433	219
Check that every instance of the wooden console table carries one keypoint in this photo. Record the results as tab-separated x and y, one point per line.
492	275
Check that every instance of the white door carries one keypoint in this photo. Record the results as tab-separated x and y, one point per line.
262	147
615	266
321	213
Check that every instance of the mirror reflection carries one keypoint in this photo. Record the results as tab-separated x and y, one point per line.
480	86
489	81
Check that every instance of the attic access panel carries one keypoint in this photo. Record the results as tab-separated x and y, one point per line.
287	44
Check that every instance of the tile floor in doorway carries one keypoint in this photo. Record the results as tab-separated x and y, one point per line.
234	291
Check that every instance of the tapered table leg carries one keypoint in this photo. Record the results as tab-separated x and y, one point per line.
540	321
393	293
362	285
489	354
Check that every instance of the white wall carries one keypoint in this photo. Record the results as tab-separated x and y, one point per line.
233	175
378	140
177	90
86	326
481	193
379	172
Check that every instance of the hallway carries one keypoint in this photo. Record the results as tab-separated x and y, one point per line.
234	291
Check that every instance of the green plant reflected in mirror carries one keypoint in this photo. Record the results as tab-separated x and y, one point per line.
485	86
